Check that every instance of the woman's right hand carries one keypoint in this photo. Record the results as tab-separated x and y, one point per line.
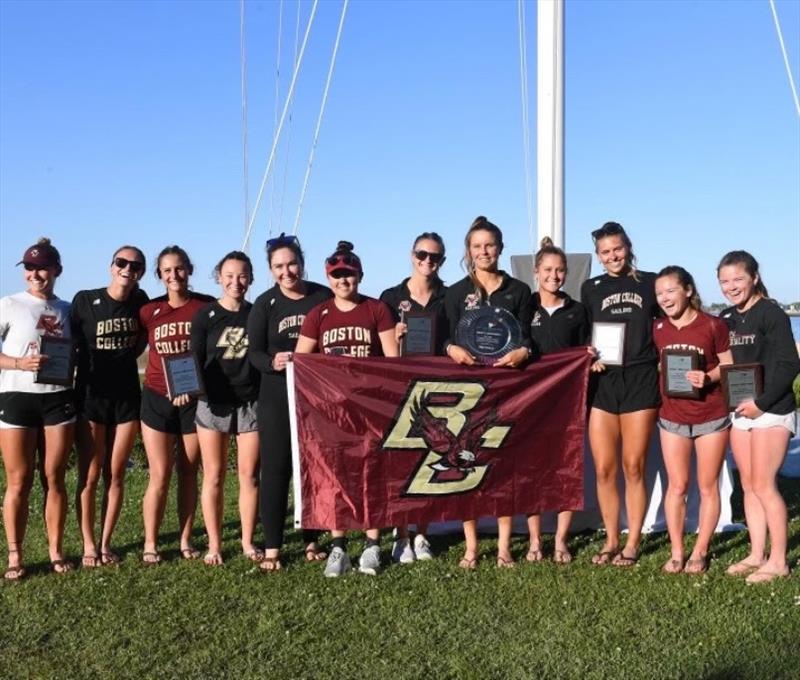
280	360
400	330
460	355
31	362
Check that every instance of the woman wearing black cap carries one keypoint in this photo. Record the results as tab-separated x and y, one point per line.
273	328
370	332
487	284
109	338
29	409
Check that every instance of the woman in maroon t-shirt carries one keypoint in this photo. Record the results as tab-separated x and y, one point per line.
701	421
167	419
357	326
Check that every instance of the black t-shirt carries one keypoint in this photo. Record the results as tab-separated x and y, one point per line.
618	299
109	338
220	343
763	335
513	295
399	300
275	322
567	326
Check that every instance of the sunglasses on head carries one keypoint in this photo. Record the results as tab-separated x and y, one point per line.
344	258
607	230
135	265
422	255
282	240
342	273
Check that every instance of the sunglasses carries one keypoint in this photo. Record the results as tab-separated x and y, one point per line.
344	258
135	265
607	230
342	273
435	258
282	240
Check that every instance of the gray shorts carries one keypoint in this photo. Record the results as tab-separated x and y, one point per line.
231	419
694	431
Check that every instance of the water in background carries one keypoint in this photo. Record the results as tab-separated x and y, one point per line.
791	466
795	327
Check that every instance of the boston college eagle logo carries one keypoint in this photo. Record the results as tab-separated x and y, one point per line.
234	340
438	418
50	325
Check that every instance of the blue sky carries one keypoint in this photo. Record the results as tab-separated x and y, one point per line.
120	122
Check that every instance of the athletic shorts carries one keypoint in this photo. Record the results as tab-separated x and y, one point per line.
695	431
159	413
37	409
228	418
787	420
108	411
625	390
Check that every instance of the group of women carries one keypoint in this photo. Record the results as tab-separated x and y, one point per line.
243	351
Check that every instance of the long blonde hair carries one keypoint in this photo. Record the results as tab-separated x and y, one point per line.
480	223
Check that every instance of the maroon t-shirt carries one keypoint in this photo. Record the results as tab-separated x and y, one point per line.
353	333
169	331
709	337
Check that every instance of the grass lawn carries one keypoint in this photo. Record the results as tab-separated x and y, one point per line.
426	620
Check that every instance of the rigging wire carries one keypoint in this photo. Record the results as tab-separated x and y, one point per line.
785	56
275	111
243	68
271	157
526	129
319	119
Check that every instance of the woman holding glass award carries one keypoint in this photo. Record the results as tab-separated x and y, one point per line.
349	324
108	339
692	345
228	407
625	397
36	404
487	286
764	417
423	292
273	328
557	322
168	416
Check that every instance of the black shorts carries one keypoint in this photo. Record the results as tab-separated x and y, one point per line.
625	390
159	413
37	409
110	411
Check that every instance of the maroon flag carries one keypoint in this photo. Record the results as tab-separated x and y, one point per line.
390	442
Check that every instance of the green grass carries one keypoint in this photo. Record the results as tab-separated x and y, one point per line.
426	620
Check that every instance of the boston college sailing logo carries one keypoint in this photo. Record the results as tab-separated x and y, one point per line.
234	340
438	418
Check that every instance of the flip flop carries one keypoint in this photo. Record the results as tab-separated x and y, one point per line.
269	564
151	559
315	554
673	566
213	560
468	563
742	568
15	573
61	566
623	561
109	559
90	562
190	553
254	555
766	576
603	558
696	566
562	557
534	555
503	563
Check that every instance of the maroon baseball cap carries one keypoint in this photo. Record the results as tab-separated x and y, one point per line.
42	255
343	260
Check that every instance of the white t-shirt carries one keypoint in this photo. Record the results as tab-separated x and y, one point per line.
24	319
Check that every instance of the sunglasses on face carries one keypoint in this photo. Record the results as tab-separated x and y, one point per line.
422	255
342	273
135	265
282	240
344	258
607	230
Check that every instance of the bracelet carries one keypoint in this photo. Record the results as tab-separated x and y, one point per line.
16	363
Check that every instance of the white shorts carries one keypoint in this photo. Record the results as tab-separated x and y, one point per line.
765	420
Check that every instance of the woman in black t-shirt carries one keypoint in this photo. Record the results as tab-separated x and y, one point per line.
228	408
108	339
273	329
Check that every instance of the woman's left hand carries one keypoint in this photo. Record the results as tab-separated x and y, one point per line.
181	400
516	357
698	379
748	409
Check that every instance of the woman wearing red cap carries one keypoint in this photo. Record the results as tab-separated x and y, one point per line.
30	409
370	333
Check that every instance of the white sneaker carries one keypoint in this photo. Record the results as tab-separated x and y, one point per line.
402	551
422	549
370	561
338	563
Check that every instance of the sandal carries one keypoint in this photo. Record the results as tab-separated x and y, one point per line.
190	553
271	564
673	566
468	563
254	555
604	557
314	553
109	558
696	566
151	559
61	566
15	573
766	576
90	562
622	560
503	563
742	568
562	557
534	555
213	559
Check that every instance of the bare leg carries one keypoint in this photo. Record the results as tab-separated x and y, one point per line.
753	512
247	464
188	461
159	447
214	452
57	445
677	453
604	436
504	557
17	446
470	559
534	539
121	445
91	447
562	554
